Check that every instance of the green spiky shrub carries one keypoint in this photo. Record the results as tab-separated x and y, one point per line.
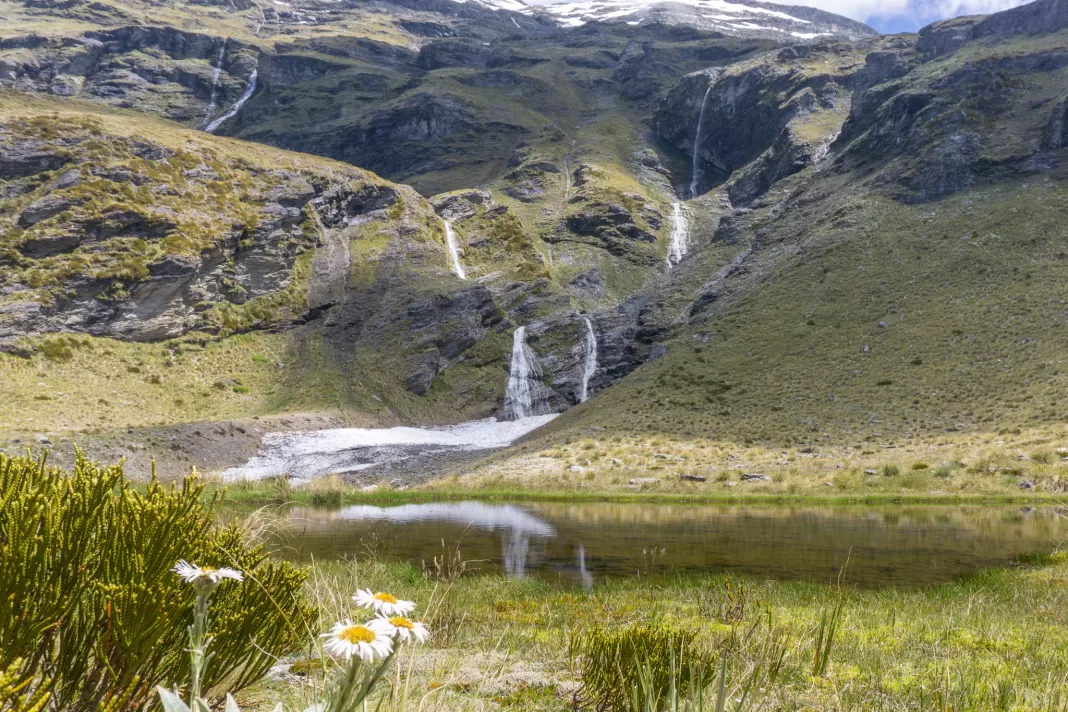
637	665
88	601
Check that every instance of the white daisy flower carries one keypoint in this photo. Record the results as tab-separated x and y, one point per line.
205	576
370	641
383	603
406	630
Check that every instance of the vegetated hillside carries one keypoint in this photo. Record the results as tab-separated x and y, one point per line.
157	274
874	227
905	280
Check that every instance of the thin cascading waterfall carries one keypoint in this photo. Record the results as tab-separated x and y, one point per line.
232	111
215	84
679	232
521	396
453	245
695	171
589	368
567	180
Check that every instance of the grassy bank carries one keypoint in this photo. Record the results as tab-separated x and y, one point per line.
998	640
268	492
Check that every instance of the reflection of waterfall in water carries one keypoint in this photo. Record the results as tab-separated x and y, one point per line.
695	173
679	229
215	84
585	577
453	246
514	549
517	525
232	111
521	397
589	368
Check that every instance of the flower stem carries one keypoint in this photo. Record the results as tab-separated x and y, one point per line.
198	644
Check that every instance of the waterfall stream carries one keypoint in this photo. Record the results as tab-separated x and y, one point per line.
521	397
679	231
453	246
589	368
232	111
695	172
215	84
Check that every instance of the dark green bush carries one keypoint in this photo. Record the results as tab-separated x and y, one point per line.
88	601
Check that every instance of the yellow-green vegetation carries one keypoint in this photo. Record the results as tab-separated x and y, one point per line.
1028	463
224	21
93	616
992	641
76	382
171	212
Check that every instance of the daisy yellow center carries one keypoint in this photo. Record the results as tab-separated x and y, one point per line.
207	570
356	634
385	598
401	622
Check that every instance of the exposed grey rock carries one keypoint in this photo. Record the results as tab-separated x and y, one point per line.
43	209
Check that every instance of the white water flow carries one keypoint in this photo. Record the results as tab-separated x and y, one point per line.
679	231
695	174
589	368
453	246
314	453
524	374
232	111
215	84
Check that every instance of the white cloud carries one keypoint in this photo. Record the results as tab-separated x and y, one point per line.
955	8
857	9
924	10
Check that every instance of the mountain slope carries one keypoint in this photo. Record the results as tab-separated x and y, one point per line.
833	242
899	276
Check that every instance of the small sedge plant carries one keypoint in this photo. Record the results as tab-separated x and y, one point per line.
365	651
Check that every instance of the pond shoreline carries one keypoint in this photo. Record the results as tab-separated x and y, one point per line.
267	495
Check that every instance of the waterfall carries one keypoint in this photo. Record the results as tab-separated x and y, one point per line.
567	180
679	230
215	83
695	174
589	369
214	125
453	246
524	374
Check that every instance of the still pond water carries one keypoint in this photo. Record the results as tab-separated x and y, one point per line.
581	544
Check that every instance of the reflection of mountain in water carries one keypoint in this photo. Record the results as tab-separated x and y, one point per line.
577	542
517	524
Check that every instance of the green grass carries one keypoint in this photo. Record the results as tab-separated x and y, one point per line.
338	494
992	641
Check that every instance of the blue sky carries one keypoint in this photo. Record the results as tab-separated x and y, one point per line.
906	15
